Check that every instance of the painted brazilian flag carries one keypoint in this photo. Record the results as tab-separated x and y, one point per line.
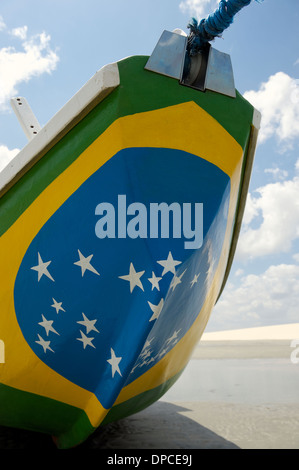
98	327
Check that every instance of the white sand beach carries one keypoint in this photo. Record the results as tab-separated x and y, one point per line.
274	332
239	391
203	425
263	342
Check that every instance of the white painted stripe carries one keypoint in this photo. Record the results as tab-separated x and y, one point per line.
95	90
256	120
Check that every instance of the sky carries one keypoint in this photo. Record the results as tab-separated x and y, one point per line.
50	49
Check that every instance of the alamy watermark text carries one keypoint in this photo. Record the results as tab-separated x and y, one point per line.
157	220
295	353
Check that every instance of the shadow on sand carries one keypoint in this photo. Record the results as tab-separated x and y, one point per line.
161	426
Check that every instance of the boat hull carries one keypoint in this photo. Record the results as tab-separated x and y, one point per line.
101	314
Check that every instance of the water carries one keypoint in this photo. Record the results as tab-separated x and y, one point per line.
249	381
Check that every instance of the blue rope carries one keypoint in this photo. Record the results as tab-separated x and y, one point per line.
205	31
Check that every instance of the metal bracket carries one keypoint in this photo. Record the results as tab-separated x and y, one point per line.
27	119
168	55
211	70
207	70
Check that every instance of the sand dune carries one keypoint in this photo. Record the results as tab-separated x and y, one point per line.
276	332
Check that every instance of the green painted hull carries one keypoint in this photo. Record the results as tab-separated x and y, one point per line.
140	92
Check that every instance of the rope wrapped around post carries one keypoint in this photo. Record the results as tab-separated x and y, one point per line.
213	26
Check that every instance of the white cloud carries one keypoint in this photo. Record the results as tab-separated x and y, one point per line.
6	155
251	210
278	101
2	24
266	299
239	272
16	66
199	8
20	32
277	173
277	204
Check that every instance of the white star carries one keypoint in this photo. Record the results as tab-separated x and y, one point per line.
85	340
134	278
146	353
147	344
47	324
176	280
156	309
89	324
44	344
143	363
41	268
84	263
173	337
133	370
57	306
194	280
114	361
169	264
154	280
162	353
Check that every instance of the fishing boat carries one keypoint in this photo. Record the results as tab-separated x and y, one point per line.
119	222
